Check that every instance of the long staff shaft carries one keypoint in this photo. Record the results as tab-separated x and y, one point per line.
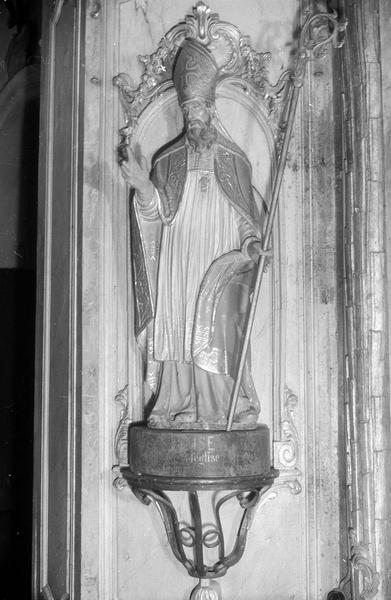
310	41
262	259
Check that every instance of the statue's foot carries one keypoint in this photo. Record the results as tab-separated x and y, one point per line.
246	417
176	421
158	421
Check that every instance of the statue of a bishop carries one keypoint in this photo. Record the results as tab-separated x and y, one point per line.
196	240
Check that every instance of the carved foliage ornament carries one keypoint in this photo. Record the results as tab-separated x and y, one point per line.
360	562
233	53
121	438
369	578
286	450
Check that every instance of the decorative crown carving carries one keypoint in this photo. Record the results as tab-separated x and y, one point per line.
236	59
238	62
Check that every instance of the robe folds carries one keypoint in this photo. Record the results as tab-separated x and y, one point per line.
193	279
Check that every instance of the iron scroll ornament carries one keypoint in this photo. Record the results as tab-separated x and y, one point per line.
197	536
235	464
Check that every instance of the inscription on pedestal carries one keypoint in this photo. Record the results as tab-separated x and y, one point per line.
202	454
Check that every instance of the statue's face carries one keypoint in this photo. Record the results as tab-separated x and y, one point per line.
196	114
198	123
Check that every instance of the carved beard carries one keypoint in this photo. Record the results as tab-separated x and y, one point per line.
200	135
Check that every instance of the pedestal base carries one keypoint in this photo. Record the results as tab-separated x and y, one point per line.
195	460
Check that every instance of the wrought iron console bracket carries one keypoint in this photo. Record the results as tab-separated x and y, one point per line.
198	535
230	466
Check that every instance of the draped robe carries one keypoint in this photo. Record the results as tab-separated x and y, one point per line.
193	289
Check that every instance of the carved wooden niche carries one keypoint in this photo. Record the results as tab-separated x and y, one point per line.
250	110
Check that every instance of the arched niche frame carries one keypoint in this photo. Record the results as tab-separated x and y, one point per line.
251	111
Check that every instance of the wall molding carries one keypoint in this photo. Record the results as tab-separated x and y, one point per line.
366	335
52	390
